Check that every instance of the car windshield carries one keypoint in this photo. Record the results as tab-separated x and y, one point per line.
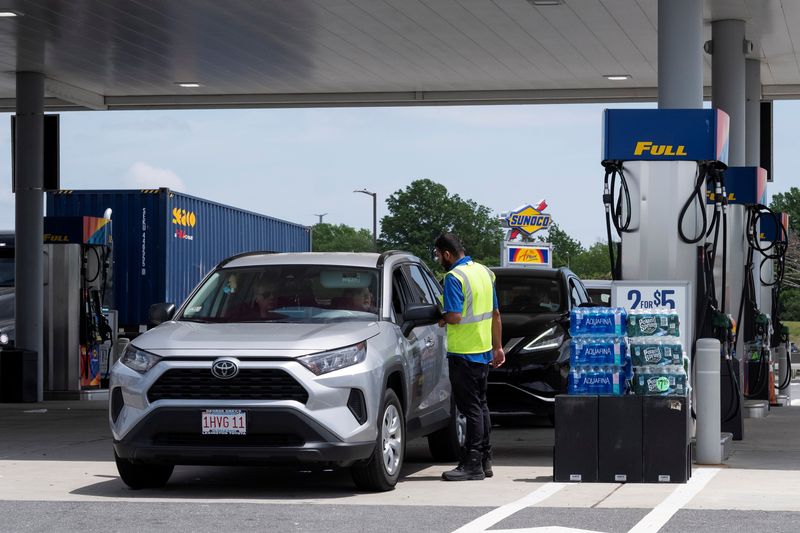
518	294
286	293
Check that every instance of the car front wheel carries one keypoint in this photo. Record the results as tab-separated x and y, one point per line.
143	476
382	470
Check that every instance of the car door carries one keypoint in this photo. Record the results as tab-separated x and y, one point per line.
415	343
434	353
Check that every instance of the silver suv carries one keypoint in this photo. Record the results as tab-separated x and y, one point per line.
310	357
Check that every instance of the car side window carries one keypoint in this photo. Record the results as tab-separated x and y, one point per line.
575	293
435	287
401	294
420	291
583	291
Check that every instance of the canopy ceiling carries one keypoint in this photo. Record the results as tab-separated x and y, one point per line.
129	54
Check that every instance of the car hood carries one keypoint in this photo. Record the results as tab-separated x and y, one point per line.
265	339
525	325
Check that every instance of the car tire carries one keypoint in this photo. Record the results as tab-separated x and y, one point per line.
382	470
445	444
143	476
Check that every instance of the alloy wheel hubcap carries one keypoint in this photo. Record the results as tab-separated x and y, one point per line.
392	438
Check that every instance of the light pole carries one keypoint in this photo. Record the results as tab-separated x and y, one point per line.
320	216
374	216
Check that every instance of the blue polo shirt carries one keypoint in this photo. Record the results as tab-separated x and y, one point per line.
454	303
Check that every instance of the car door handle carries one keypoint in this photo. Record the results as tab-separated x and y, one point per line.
429	342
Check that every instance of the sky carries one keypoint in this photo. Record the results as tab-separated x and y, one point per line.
294	164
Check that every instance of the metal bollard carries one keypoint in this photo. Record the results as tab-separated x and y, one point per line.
707	399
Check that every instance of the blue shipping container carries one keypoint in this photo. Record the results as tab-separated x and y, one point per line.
165	241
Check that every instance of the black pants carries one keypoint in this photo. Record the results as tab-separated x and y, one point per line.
469	384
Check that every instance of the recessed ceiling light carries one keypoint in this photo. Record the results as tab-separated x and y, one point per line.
545	2
9	14
618	77
187	84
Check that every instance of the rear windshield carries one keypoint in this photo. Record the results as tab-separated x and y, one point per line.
529	295
286	293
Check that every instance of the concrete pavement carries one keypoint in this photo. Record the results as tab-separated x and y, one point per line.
56	461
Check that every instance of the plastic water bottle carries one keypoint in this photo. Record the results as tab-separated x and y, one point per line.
576	321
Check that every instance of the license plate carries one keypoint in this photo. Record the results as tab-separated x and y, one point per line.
224	422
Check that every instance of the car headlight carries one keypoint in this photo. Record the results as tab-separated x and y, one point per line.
322	363
138	360
4	339
547	340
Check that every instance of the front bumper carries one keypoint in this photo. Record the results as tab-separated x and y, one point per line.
318	425
172	435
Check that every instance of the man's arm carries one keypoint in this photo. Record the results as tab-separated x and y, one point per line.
453	301
451	318
499	355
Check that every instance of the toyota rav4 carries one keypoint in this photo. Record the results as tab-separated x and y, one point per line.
308	357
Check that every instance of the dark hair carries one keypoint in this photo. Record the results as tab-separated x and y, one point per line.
449	242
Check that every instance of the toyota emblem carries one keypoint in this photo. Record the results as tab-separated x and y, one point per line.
224	368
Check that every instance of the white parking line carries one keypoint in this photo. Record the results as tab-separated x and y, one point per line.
546	529
660	515
482	523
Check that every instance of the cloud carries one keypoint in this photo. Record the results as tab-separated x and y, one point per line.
144	176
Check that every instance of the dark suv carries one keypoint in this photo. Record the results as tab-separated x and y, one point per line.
534	305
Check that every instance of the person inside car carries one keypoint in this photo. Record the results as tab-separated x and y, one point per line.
359	299
260	306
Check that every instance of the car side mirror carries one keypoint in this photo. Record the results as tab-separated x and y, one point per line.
160	313
420	315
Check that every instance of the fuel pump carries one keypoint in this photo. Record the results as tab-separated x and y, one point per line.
95	330
658	164
770	239
745	186
77	330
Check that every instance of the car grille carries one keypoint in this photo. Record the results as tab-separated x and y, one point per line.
248	384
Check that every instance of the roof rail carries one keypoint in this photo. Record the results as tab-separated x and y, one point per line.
385	255
243	254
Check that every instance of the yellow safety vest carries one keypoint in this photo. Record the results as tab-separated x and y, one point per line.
474	333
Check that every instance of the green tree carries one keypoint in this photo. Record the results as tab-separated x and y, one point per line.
425	209
593	263
790	304
788	202
340	238
565	249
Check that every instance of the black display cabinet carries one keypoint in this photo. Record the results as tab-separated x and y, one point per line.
666	439
620	439
575	453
